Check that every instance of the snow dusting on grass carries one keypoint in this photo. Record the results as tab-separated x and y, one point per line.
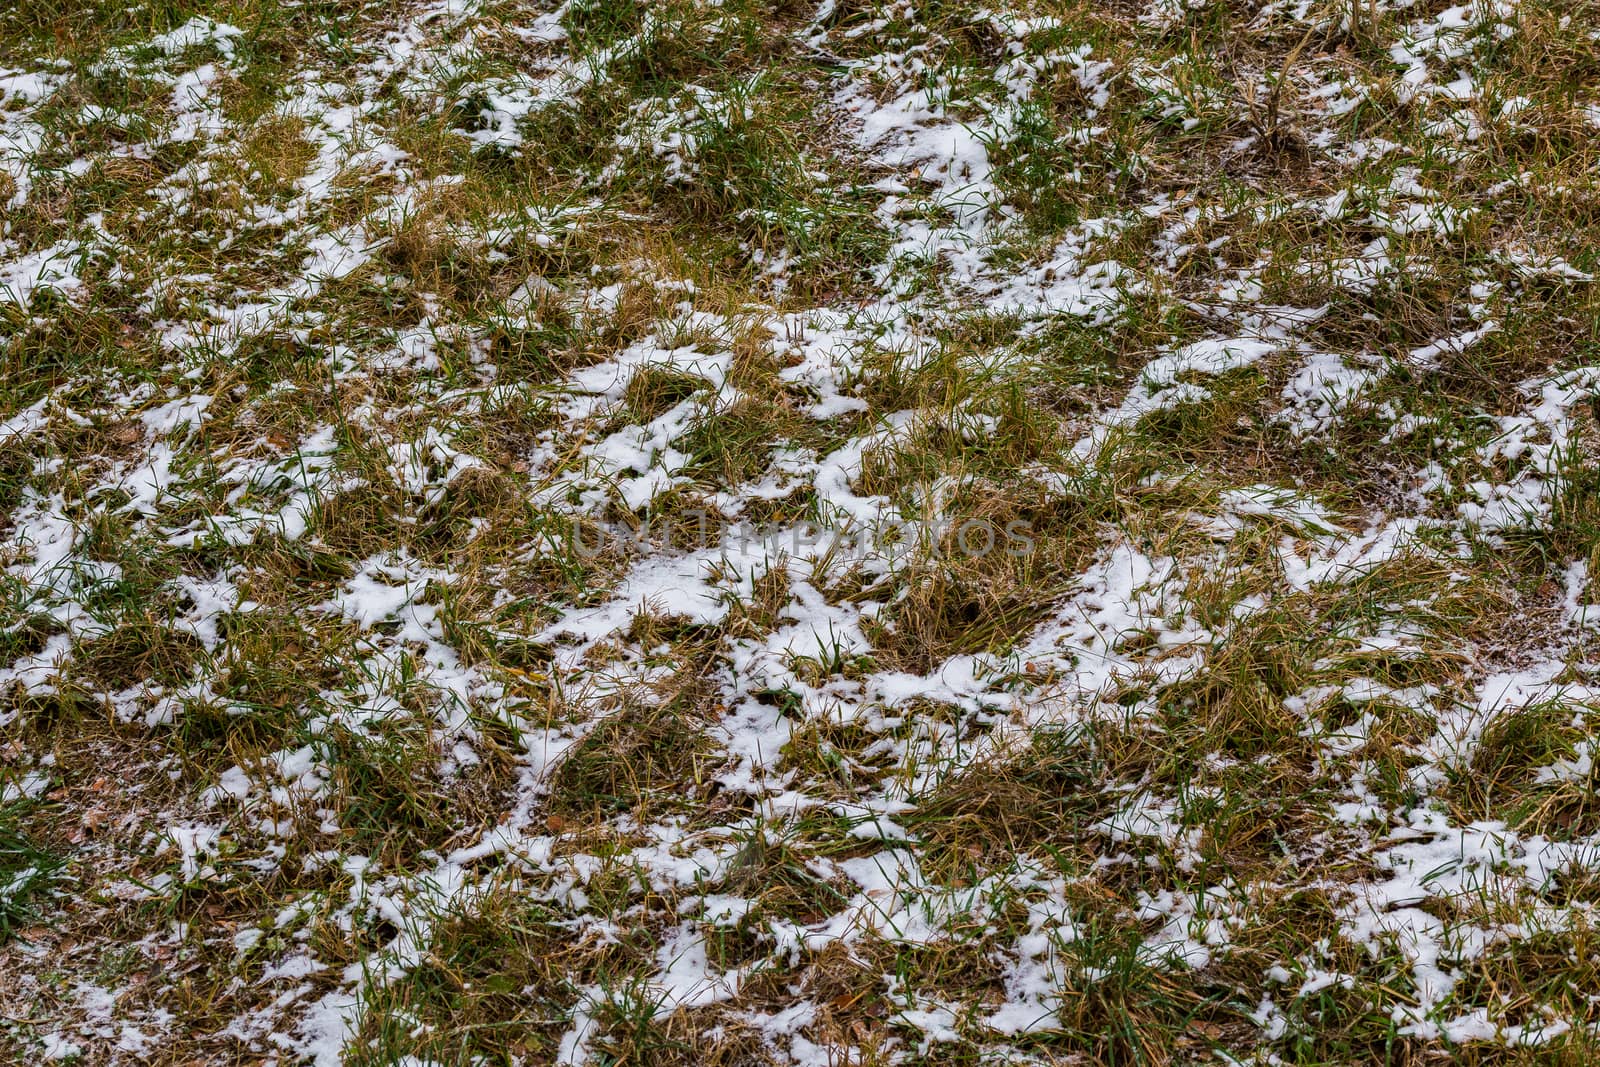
871	532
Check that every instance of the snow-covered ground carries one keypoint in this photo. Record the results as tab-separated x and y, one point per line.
865	533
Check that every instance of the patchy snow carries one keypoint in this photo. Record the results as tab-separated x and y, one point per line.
352	458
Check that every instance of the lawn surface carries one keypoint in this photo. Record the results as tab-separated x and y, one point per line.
654	532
